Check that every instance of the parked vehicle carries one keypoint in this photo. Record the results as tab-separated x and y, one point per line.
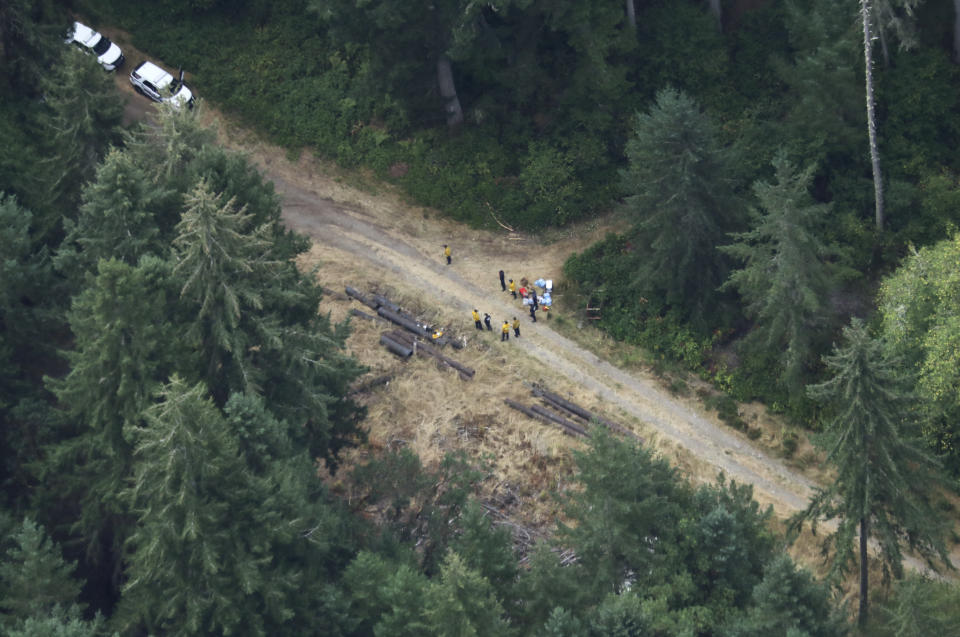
151	80
89	41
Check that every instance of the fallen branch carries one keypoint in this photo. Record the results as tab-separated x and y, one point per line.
492	214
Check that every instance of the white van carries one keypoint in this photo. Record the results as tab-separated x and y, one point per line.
150	80
87	40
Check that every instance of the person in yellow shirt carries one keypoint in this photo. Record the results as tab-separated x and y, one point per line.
513	288
476	320
516	327
446	252
505	332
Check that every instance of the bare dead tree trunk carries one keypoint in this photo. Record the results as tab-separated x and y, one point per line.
864	579
632	14
865	14
448	91
717	12
956	31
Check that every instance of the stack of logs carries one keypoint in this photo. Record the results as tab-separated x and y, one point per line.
567	408
405	344
392	312
417	337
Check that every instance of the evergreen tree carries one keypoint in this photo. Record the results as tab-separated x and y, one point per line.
168	149
462	602
82	116
28	43
548	586
217	256
627	515
784	280
824	118
680	200
487	550
726	546
386	598
34	578
918	605
29	320
789	601
116	219
883	485
217	548
58	623
125	346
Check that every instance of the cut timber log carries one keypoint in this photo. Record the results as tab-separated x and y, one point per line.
526	410
399	349
586	414
569	427
361	314
383	301
360	296
529	411
427	349
403	322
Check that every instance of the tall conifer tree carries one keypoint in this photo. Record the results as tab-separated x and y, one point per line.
81	120
680	200
116	218
883	485
784	279
125	347
219	548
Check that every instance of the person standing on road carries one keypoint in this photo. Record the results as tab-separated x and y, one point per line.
533	295
505	332
502	283
486	321
513	288
533	313
476	320
446	252
516	327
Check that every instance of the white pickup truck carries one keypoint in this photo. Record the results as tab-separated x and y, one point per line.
151	80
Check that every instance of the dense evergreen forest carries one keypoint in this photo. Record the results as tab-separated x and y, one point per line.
167	387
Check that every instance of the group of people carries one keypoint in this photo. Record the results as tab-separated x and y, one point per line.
504	329
529	296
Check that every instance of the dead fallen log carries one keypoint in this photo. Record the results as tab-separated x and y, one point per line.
552	403
569	426
370	384
586	414
525	410
396	348
572	430
360	296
